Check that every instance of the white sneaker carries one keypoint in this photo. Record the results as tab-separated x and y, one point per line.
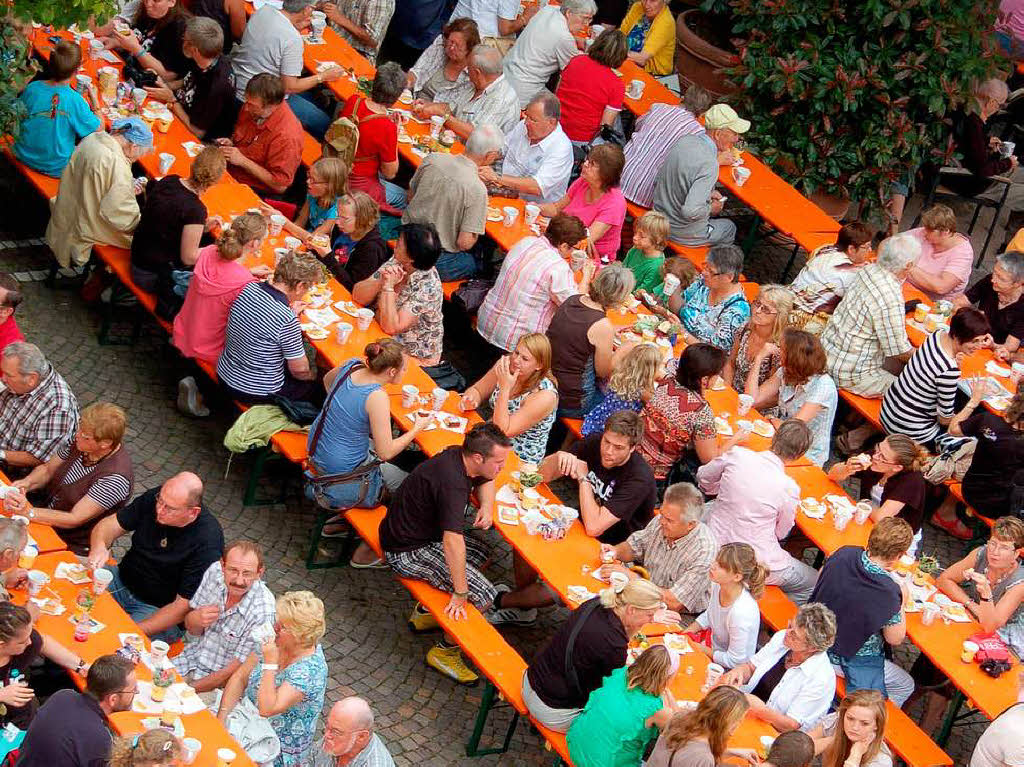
519	616
190	402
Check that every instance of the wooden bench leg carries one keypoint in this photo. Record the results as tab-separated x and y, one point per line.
487	703
255	472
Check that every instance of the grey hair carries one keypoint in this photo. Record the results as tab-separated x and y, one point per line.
13	534
486	58
819	623
30	357
206	35
586	7
687	498
792	439
295	6
992	88
727	259
484	139
549	101
388	84
898	252
696	100
1013	262
611	286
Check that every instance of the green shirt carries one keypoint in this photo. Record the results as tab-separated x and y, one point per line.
646	269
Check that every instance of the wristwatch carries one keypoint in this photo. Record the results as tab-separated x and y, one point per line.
80	666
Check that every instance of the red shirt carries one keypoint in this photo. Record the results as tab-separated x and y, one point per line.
9	333
274	144
378	138
585	90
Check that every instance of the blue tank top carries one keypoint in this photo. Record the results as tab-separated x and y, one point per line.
345	441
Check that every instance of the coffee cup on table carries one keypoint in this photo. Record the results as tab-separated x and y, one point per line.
277	222
745	403
158	651
635	89
225	757
410	396
511	214
191	747
532	212
292	243
363	318
929	612
436	123
166	161
968	651
438	397
101	580
37	579
342	332
740	174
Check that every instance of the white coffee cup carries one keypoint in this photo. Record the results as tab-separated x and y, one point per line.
84	82
101	580
746	402
158	651
712	675
139	94
577	259
671	284
410	395
192	748
279	253
929	612
635	89
864	509
166	161
740	174
532	212
840	519
36	580
511	214
1006	148
436	124
277	222
342	331
438	397
292	243
225	756
96	47
363	318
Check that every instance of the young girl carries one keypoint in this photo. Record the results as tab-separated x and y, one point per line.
737	582
647	256
852	737
630	386
682	269
698	738
153	748
326	182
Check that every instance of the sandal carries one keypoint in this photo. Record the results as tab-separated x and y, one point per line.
954	527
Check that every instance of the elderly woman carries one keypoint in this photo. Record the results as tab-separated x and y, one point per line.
589	90
869	325
376	154
790	681
408	294
944	266
264	357
714	306
87	480
96	200
651	32
440	73
357	250
596	200
582	339
755	355
535	279
546	46
999	296
287	684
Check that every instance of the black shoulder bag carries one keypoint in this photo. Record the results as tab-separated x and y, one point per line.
570	669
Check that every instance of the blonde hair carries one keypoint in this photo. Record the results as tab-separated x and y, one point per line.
295	268
637	372
655	225
153	748
243	230
939	218
639	593
302	613
334	172
365	211
716	717
741	559
838	751
539	347
207	168
651	672
105	421
781	298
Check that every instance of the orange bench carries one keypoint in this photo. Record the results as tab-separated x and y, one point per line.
909	741
869	407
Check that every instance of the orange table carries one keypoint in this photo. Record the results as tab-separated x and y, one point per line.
45	537
202	725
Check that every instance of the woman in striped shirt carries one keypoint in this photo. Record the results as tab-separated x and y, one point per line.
920	401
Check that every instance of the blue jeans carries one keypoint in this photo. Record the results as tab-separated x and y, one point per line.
137	609
863	672
315	120
394	194
458	266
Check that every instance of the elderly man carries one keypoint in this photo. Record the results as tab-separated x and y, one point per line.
10	298
361	22
684	189
538	154
230	602
493	100
266	147
38	412
868	328
675	548
174	540
349	739
656	133
546	45
446	191
761	513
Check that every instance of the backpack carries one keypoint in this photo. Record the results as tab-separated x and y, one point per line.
342	137
953	460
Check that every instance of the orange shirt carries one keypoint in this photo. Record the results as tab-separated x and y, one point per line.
274	144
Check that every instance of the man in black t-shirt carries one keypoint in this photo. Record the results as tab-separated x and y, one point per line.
423	533
617	496
174	539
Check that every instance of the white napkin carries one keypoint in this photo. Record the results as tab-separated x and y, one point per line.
192	148
62	572
95	626
322	317
506	495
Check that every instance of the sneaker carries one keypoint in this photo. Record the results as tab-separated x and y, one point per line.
422	621
189	400
520	616
449	661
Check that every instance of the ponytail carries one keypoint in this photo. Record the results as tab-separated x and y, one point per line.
242	231
740	558
909	454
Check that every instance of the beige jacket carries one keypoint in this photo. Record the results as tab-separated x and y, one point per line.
96	202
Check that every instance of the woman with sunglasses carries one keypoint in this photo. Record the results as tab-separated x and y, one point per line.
755	354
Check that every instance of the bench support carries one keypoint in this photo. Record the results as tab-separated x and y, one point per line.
347	544
952	715
487	703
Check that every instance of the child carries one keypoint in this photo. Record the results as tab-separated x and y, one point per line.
684	271
791	749
647	255
326	182
630	386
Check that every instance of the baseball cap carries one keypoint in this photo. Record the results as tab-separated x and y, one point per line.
134	130
724	116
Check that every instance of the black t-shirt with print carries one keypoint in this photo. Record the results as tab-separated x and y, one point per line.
163	41
627	491
208	98
21	716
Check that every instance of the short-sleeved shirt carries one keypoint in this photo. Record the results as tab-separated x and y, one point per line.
1001	744
585	90
430	502
627	491
646	269
922	393
353	262
378	137
9	332
714	324
609	208
909	488
275	144
673	418
818	390
682	565
1004	321
486	14
208	97
998	455
56	118
497	105
599	649
447	191
108	491
373	16
41	421
548	162
165	562
422	295
957	260
544	47
170	207
375	754
656	132
163	40
71	729
271	44
262	334
21	716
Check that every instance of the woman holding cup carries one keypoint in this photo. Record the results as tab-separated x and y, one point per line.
853	736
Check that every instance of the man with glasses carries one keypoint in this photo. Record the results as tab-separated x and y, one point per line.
229	604
174	540
349	739
70	730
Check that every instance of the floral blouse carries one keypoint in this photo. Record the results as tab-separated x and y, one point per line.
741	368
713	324
422	295
531	445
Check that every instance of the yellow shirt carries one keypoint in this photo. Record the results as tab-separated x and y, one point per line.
660	42
1017	243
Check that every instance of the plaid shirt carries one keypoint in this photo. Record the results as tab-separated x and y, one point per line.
229	638
497	105
682	565
867	326
40	421
373	16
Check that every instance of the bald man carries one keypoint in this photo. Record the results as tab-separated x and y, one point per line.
174	540
349	739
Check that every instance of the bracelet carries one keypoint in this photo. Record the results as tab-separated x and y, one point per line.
460	594
80	666
387	290
270	667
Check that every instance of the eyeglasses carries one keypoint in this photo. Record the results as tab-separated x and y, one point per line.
708	271
161	502
878	452
997	545
133	691
763	308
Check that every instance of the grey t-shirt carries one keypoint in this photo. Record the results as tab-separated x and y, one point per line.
696	753
271	44
682	189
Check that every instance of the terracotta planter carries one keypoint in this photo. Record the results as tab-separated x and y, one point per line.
699	61
834	205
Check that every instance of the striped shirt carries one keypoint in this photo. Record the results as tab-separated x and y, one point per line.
109	491
262	333
923	392
656	133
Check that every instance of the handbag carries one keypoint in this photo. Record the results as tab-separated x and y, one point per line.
446	376
253	732
570	667
953	460
298	412
471	294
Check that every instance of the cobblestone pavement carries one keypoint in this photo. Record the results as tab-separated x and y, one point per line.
424	718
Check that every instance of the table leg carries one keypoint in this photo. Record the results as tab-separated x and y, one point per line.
751	238
487	703
951	713
789	264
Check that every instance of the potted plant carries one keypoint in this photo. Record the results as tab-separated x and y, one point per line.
847	98
704	51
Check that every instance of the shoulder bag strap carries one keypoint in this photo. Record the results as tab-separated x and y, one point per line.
570	669
323	411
